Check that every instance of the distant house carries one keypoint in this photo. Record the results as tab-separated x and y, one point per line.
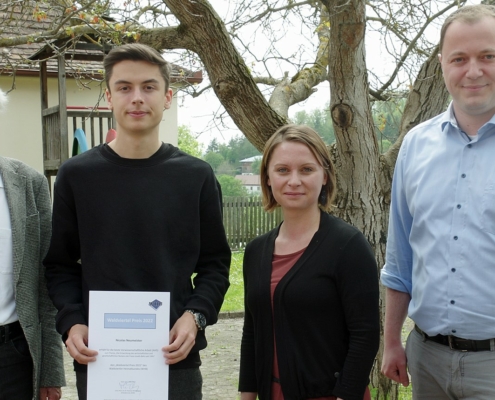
247	163
21	123
252	183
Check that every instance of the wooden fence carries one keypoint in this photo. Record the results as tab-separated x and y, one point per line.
244	218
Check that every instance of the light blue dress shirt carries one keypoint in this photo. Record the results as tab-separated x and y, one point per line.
441	236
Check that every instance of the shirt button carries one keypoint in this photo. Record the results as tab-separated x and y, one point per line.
453	269
470	145
454	331
459	206
455	238
463	175
452	301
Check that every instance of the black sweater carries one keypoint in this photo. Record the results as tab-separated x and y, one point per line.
326	316
142	225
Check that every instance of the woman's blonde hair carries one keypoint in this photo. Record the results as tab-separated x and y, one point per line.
307	136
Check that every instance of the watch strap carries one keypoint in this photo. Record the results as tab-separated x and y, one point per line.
198	318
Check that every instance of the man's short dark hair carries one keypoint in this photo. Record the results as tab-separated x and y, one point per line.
136	52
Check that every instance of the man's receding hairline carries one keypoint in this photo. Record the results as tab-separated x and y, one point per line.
468	18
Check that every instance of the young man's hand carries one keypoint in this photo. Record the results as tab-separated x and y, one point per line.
77	345
182	339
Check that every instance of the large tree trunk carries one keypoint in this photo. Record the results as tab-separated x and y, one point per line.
360	196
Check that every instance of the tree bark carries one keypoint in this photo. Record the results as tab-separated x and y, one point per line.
361	199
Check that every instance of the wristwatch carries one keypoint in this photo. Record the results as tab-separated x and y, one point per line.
199	319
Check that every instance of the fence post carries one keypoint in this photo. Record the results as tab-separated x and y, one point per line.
244	219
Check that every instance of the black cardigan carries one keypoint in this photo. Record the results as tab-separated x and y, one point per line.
326	316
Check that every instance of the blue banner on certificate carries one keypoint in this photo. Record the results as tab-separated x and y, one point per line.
128	330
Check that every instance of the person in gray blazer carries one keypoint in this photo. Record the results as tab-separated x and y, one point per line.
31	361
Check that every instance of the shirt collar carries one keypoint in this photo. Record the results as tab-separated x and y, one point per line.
448	117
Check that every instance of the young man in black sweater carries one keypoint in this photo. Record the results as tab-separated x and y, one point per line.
138	214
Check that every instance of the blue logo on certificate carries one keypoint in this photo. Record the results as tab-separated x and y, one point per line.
155	304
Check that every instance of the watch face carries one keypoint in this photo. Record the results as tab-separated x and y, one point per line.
201	320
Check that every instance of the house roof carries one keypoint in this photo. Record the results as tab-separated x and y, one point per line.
249	180
83	58
251	159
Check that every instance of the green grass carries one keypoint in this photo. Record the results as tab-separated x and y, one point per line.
405	393
234	299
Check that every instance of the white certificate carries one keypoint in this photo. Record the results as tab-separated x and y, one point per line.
128	329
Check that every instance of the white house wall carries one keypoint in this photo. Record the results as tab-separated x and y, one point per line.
20	123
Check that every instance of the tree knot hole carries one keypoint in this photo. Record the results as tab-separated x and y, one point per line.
342	115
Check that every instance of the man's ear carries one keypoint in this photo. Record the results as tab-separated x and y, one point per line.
440	61
168	99
108	95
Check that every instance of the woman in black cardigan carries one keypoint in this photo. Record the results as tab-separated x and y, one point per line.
311	327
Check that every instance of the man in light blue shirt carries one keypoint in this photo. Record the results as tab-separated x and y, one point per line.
440	263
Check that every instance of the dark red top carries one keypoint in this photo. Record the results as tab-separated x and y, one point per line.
281	264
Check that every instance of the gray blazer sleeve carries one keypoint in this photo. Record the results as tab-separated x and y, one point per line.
52	368
30	209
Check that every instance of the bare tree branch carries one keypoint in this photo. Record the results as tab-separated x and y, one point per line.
413	42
